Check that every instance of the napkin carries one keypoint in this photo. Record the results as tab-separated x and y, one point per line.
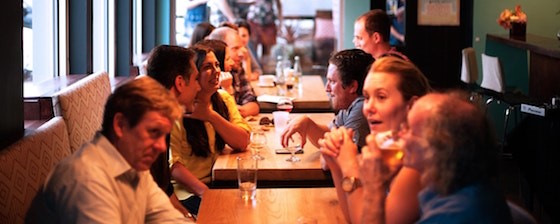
271	98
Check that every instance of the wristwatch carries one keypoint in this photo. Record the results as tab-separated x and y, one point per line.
350	184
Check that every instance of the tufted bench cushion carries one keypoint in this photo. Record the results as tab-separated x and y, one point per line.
81	106
25	165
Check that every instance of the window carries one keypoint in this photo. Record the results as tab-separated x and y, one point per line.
40	43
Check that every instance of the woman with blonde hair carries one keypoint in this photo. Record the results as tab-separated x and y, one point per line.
390	89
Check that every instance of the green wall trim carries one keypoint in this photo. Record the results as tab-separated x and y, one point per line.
352	10
163	17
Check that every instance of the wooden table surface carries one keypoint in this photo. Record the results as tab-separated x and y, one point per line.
310	98
273	205
275	167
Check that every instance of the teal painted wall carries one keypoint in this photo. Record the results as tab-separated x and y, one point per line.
541	20
541	17
352	9
163	17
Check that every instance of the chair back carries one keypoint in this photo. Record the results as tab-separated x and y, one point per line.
469	68
25	165
519	215
82	105
492	76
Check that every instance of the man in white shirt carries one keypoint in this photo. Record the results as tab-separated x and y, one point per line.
108	179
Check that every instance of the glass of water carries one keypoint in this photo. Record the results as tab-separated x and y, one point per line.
247	168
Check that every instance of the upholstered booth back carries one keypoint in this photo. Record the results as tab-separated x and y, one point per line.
25	165
81	105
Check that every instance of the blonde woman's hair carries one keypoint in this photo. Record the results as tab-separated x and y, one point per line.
412	81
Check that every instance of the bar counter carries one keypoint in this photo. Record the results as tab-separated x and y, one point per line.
544	62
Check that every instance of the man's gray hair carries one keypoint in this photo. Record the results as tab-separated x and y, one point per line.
221	33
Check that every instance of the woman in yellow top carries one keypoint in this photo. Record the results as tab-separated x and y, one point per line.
201	136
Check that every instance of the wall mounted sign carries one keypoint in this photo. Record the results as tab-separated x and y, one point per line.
439	12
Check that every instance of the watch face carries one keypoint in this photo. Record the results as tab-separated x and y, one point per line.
347	184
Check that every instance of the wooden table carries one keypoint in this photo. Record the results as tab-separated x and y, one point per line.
311	97
275	205
274	170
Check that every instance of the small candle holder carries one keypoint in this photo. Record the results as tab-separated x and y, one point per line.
518	30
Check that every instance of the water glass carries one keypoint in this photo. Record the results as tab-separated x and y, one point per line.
247	168
280	120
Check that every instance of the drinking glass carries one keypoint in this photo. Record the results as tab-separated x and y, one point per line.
247	177
391	147
258	142
294	144
285	104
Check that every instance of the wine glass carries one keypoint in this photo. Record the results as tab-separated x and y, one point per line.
294	144
258	142
285	104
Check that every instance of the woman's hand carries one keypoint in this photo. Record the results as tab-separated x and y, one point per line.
338	145
372	169
226	82
201	111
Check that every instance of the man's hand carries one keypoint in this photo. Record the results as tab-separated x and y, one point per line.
296	125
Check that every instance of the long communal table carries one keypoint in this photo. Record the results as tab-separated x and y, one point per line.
274	170
272	205
309	97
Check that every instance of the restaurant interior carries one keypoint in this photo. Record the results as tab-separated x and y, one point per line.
90	53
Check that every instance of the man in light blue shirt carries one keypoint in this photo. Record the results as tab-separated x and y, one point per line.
108	179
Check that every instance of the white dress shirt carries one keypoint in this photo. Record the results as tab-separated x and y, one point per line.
97	185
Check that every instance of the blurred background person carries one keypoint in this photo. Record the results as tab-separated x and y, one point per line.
262	17
229	10
244	95
397	12
250	63
200	32
196	12
372	34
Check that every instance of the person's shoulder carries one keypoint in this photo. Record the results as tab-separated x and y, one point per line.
476	203
76	166
355	108
226	96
